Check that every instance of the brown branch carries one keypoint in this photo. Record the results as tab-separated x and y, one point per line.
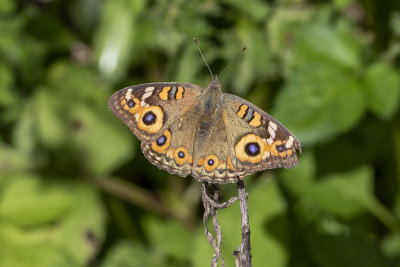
242	253
211	207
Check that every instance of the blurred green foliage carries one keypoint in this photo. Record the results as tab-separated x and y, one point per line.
75	189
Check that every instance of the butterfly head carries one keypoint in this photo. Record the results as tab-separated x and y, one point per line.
214	85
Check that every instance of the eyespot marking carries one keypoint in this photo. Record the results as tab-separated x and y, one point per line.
130	103
135	105
210	163
180	155
250	148
161	140
151	119
162	143
278	148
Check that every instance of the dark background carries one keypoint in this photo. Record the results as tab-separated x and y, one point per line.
75	189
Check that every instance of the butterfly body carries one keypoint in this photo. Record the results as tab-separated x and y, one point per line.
213	136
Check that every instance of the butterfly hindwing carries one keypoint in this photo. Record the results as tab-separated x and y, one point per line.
173	150
148	109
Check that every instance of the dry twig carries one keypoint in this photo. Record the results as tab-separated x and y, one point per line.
211	206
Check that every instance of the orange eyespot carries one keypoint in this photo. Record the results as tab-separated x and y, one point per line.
210	163
250	148
181	155
162	143
151	119
278	148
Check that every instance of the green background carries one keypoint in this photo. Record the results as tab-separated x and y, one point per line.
75	190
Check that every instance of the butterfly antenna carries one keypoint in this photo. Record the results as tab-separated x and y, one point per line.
198	47
234	59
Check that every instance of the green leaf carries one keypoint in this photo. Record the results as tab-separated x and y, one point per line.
283	24
383	89
82	231
391	246
114	37
322	96
24	135
127	254
168	238
7	6
12	161
66	219
346	251
31	255
345	194
31	201
101	140
319	101
20	49
256	9
320	43
343	3
256	62
300	179
7	95
51	126
190	57
395	23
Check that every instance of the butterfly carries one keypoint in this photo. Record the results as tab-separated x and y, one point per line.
214	136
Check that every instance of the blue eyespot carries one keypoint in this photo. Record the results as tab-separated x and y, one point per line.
149	118
252	149
280	148
210	162
131	103
181	154
161	140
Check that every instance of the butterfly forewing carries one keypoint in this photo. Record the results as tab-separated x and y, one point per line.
148	109
260	141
